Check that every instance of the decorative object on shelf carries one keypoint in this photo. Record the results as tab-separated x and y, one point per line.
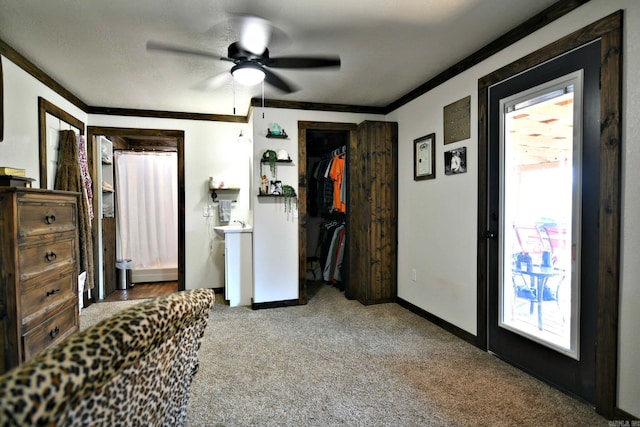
275	188
213	183
264	185
289	194
283	156
272	157
276	132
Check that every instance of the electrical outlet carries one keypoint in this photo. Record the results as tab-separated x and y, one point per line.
414	275
205	211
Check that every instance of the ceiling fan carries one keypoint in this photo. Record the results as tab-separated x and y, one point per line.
250	55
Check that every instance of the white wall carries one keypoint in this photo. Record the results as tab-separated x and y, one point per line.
20	147
275	234
437	219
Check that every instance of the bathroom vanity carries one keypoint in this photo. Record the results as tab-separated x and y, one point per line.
238	263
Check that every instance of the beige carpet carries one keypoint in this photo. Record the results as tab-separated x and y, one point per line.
335	362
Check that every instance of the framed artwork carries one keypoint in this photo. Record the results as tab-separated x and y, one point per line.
424	157
455	161
457	120
275	188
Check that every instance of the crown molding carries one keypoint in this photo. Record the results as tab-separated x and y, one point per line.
22	62
111	111
296	105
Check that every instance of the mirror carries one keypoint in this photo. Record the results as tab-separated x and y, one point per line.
48	138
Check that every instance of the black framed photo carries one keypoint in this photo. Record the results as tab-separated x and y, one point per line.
455	161
424	157
275	188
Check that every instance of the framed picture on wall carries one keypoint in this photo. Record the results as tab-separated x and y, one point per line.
275	188
424	157
455	161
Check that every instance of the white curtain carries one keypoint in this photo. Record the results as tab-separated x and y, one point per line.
147	206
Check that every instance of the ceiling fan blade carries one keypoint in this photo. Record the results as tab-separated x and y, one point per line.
181	50
278	82
214	82
254	33
304	62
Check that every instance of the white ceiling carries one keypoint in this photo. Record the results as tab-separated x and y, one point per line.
96	48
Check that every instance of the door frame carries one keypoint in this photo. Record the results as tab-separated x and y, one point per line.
303	126
171	138
609	30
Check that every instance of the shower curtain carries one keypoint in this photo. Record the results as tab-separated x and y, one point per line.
147	206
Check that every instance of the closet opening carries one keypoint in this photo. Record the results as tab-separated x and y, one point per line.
323	205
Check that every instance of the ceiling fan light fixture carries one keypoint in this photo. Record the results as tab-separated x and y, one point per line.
248	74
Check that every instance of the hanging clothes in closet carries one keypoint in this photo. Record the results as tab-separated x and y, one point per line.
329	186
329	182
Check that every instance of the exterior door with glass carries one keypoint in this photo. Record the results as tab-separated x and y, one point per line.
543	179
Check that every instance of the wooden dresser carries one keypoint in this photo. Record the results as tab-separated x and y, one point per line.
38	271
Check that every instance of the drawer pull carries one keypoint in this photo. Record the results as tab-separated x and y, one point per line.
50	219
55	331
53	292
50	256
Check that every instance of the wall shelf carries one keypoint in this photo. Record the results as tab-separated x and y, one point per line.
276	195
214	191
283	135
277	161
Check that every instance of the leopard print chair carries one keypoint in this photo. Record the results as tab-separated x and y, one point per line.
133	369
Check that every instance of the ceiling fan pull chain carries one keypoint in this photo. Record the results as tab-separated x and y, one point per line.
263	99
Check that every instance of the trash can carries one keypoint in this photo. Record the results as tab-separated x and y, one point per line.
123	279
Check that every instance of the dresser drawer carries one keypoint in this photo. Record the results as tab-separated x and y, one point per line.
50	331
40	257
36	299
41	217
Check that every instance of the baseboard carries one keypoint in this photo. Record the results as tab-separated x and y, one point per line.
378	301
152	275
624	416
274	304
460	333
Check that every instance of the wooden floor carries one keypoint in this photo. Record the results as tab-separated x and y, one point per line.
143	290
